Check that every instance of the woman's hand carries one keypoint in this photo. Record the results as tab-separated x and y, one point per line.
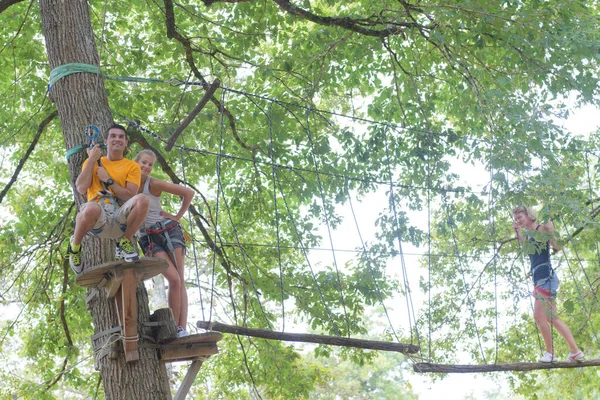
170	216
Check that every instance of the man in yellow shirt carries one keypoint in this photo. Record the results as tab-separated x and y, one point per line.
114	209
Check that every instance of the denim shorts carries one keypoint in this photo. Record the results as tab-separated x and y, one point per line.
547	287
151	247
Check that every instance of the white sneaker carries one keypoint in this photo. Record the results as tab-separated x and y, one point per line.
548	358
182	332
576	357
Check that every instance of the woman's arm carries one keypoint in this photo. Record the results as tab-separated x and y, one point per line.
517	230
548	227
157	187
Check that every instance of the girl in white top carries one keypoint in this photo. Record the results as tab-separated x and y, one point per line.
154	244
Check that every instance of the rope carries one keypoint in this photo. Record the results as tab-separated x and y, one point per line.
64	70
365	253
462	272
191	225
579	291
276	213
409	305
327	223
493	235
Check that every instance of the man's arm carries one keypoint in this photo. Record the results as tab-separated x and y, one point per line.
84	180
124	193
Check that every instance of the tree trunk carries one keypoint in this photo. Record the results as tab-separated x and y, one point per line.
81	100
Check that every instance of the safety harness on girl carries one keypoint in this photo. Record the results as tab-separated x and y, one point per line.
159	234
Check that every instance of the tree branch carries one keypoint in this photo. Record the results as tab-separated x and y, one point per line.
23	160
4	4
354	25
173	34
209	93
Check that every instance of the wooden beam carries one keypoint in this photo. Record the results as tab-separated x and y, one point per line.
520	366
113	284
310	338
190	376
172	353
130	315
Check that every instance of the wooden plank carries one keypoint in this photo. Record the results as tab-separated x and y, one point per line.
520	366
113	284
172	353
147	267
190	376
206	337
310	338
130	315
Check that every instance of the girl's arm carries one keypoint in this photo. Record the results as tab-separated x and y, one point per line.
548	227
159	186
517	230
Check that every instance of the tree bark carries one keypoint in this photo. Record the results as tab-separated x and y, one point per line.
81	100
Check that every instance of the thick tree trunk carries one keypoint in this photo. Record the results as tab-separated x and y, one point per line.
81	100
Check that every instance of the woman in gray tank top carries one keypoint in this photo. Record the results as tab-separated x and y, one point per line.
537	240
162	237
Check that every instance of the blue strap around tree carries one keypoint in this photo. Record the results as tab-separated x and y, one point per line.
67	69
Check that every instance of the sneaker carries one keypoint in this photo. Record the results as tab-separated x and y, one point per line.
548	358
126	251
576	356
75	259
182	332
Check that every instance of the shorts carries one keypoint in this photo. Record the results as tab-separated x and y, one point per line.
109	225
156	245
546	287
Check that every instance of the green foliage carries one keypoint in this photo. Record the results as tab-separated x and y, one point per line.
477	84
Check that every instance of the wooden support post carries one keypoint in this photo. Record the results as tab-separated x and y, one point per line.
130	315
188	380
120	280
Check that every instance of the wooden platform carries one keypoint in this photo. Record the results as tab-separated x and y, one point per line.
520	366
192	347
120	280
145	268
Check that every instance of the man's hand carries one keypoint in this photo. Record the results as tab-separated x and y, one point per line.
102	174
94	153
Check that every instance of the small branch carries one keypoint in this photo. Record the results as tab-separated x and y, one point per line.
207	96
310	338
23	160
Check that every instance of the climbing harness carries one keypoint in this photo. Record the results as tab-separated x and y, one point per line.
158	234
